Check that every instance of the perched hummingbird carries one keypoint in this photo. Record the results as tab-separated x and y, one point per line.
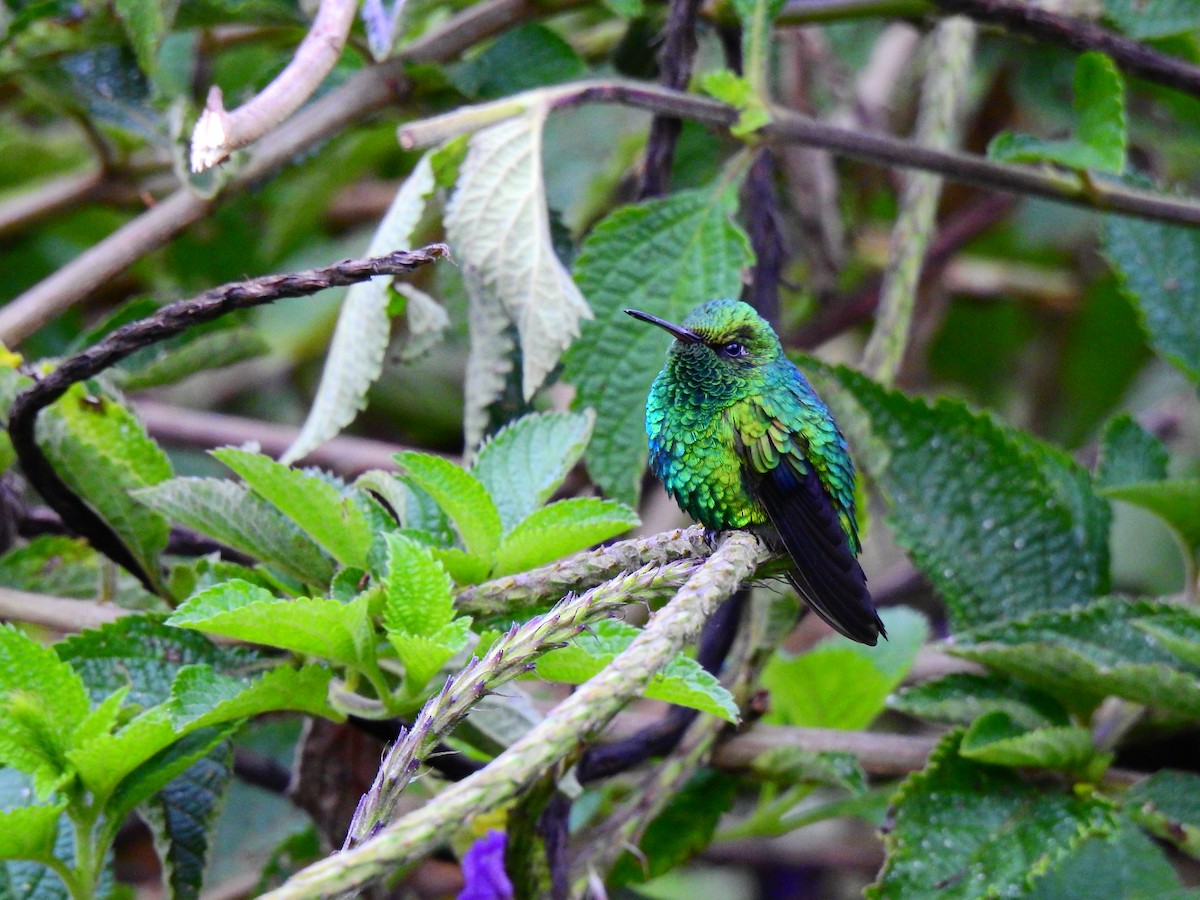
741	440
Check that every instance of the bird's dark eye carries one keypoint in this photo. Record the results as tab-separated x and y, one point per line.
733	350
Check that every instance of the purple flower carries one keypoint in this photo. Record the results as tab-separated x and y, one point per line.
483	869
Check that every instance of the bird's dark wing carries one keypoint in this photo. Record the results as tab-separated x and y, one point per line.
827	573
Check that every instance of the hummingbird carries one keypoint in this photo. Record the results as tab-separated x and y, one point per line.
739	439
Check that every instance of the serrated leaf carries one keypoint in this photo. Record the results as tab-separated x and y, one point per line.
461	497
336	631
52	564
1176	502
42	702
331	519
103	453
233	515
1129	454
796	765
559	530
156	773
840	683
1148	19
731	88
1003	525
141	655
682	681
523	58
360	339
996	738
28	832
424	655
1168	805
418	597
1159	269
664	257
1178	630
180	816
964	830
1124	865
223	347
526	461
463	567
498	224
1099	142
104	761
146	22
684	828
961	697
1083	655
201	697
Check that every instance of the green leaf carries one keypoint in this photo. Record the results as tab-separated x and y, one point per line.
42	702
965	830
164	767
180	817
1099	142
212	350
423	656
960	698
106	760
840	683
1129	454
1176	502
1124	865
146	22
1159	269
1177	629
233	515
28	832
997	738
526	461
103	453
201	697
498	224
1003	525
336	631
1083	655
329	517
796	765
361	337
1143	19
682	681
1167	804
460	495
561	529
29	880
142	655
52	564
731	88
626	9
684	828
418	597
526	57
664	257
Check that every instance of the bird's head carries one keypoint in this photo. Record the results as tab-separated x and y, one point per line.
720	343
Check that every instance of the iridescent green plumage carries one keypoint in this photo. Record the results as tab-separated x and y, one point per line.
740	439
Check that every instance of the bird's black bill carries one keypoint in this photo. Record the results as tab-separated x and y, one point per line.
681	333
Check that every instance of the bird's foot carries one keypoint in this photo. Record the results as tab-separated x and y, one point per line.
711	535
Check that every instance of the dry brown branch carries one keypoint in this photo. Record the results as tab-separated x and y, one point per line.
218	133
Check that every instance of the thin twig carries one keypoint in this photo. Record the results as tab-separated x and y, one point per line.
169	321
552	742
514	594
47	199
1132	56
175	425
366	92
1066	187
218	133
510	656
947	76
63	614
675	61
